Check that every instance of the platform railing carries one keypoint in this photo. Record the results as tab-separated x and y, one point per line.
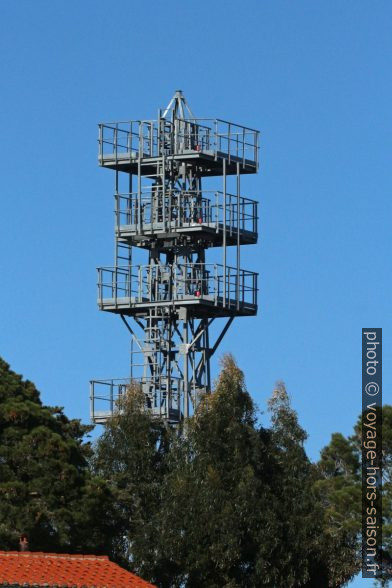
175	283
108	396
152	138
181	209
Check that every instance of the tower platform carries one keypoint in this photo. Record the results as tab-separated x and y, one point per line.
137	147
202	215
106	396
202	288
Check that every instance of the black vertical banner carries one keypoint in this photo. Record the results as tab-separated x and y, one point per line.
371	453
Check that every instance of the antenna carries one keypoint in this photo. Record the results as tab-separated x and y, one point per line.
170	300
178	105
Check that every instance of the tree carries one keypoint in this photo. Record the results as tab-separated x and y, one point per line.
306	553
339	489
46	490
130	456
223	501
214	481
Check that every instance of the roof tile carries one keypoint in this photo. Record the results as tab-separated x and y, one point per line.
31	568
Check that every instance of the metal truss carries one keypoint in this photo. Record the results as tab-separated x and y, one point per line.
174	297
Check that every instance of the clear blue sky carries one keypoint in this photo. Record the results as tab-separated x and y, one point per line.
313	76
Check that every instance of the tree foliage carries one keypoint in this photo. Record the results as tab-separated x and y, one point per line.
214	484
130	455
223	501
46	490
339	489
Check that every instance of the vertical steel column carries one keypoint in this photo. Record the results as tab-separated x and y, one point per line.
159	146
116	198
238	237
132	352
100	141
186	378
224	232
163	195
139	179
207	353
92	407
130	206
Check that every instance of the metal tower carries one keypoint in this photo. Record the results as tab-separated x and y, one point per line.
175	295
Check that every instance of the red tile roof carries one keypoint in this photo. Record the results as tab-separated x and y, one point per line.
33	568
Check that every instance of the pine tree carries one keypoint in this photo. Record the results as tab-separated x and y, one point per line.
46	490
339	489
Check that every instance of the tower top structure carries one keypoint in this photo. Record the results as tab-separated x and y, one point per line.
178	107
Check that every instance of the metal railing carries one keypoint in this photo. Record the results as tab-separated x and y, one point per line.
106	394
161	397
178	209
176	283
153	138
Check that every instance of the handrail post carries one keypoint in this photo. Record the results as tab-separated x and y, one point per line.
229	140
243	146
151	138
99	286
216	214
228	289
217	144
254	217
92	407
216	279
111	397
159	132
256	288
100	141
117	198
115	139
115	286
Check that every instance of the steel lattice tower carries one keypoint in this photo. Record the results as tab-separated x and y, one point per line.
175	296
